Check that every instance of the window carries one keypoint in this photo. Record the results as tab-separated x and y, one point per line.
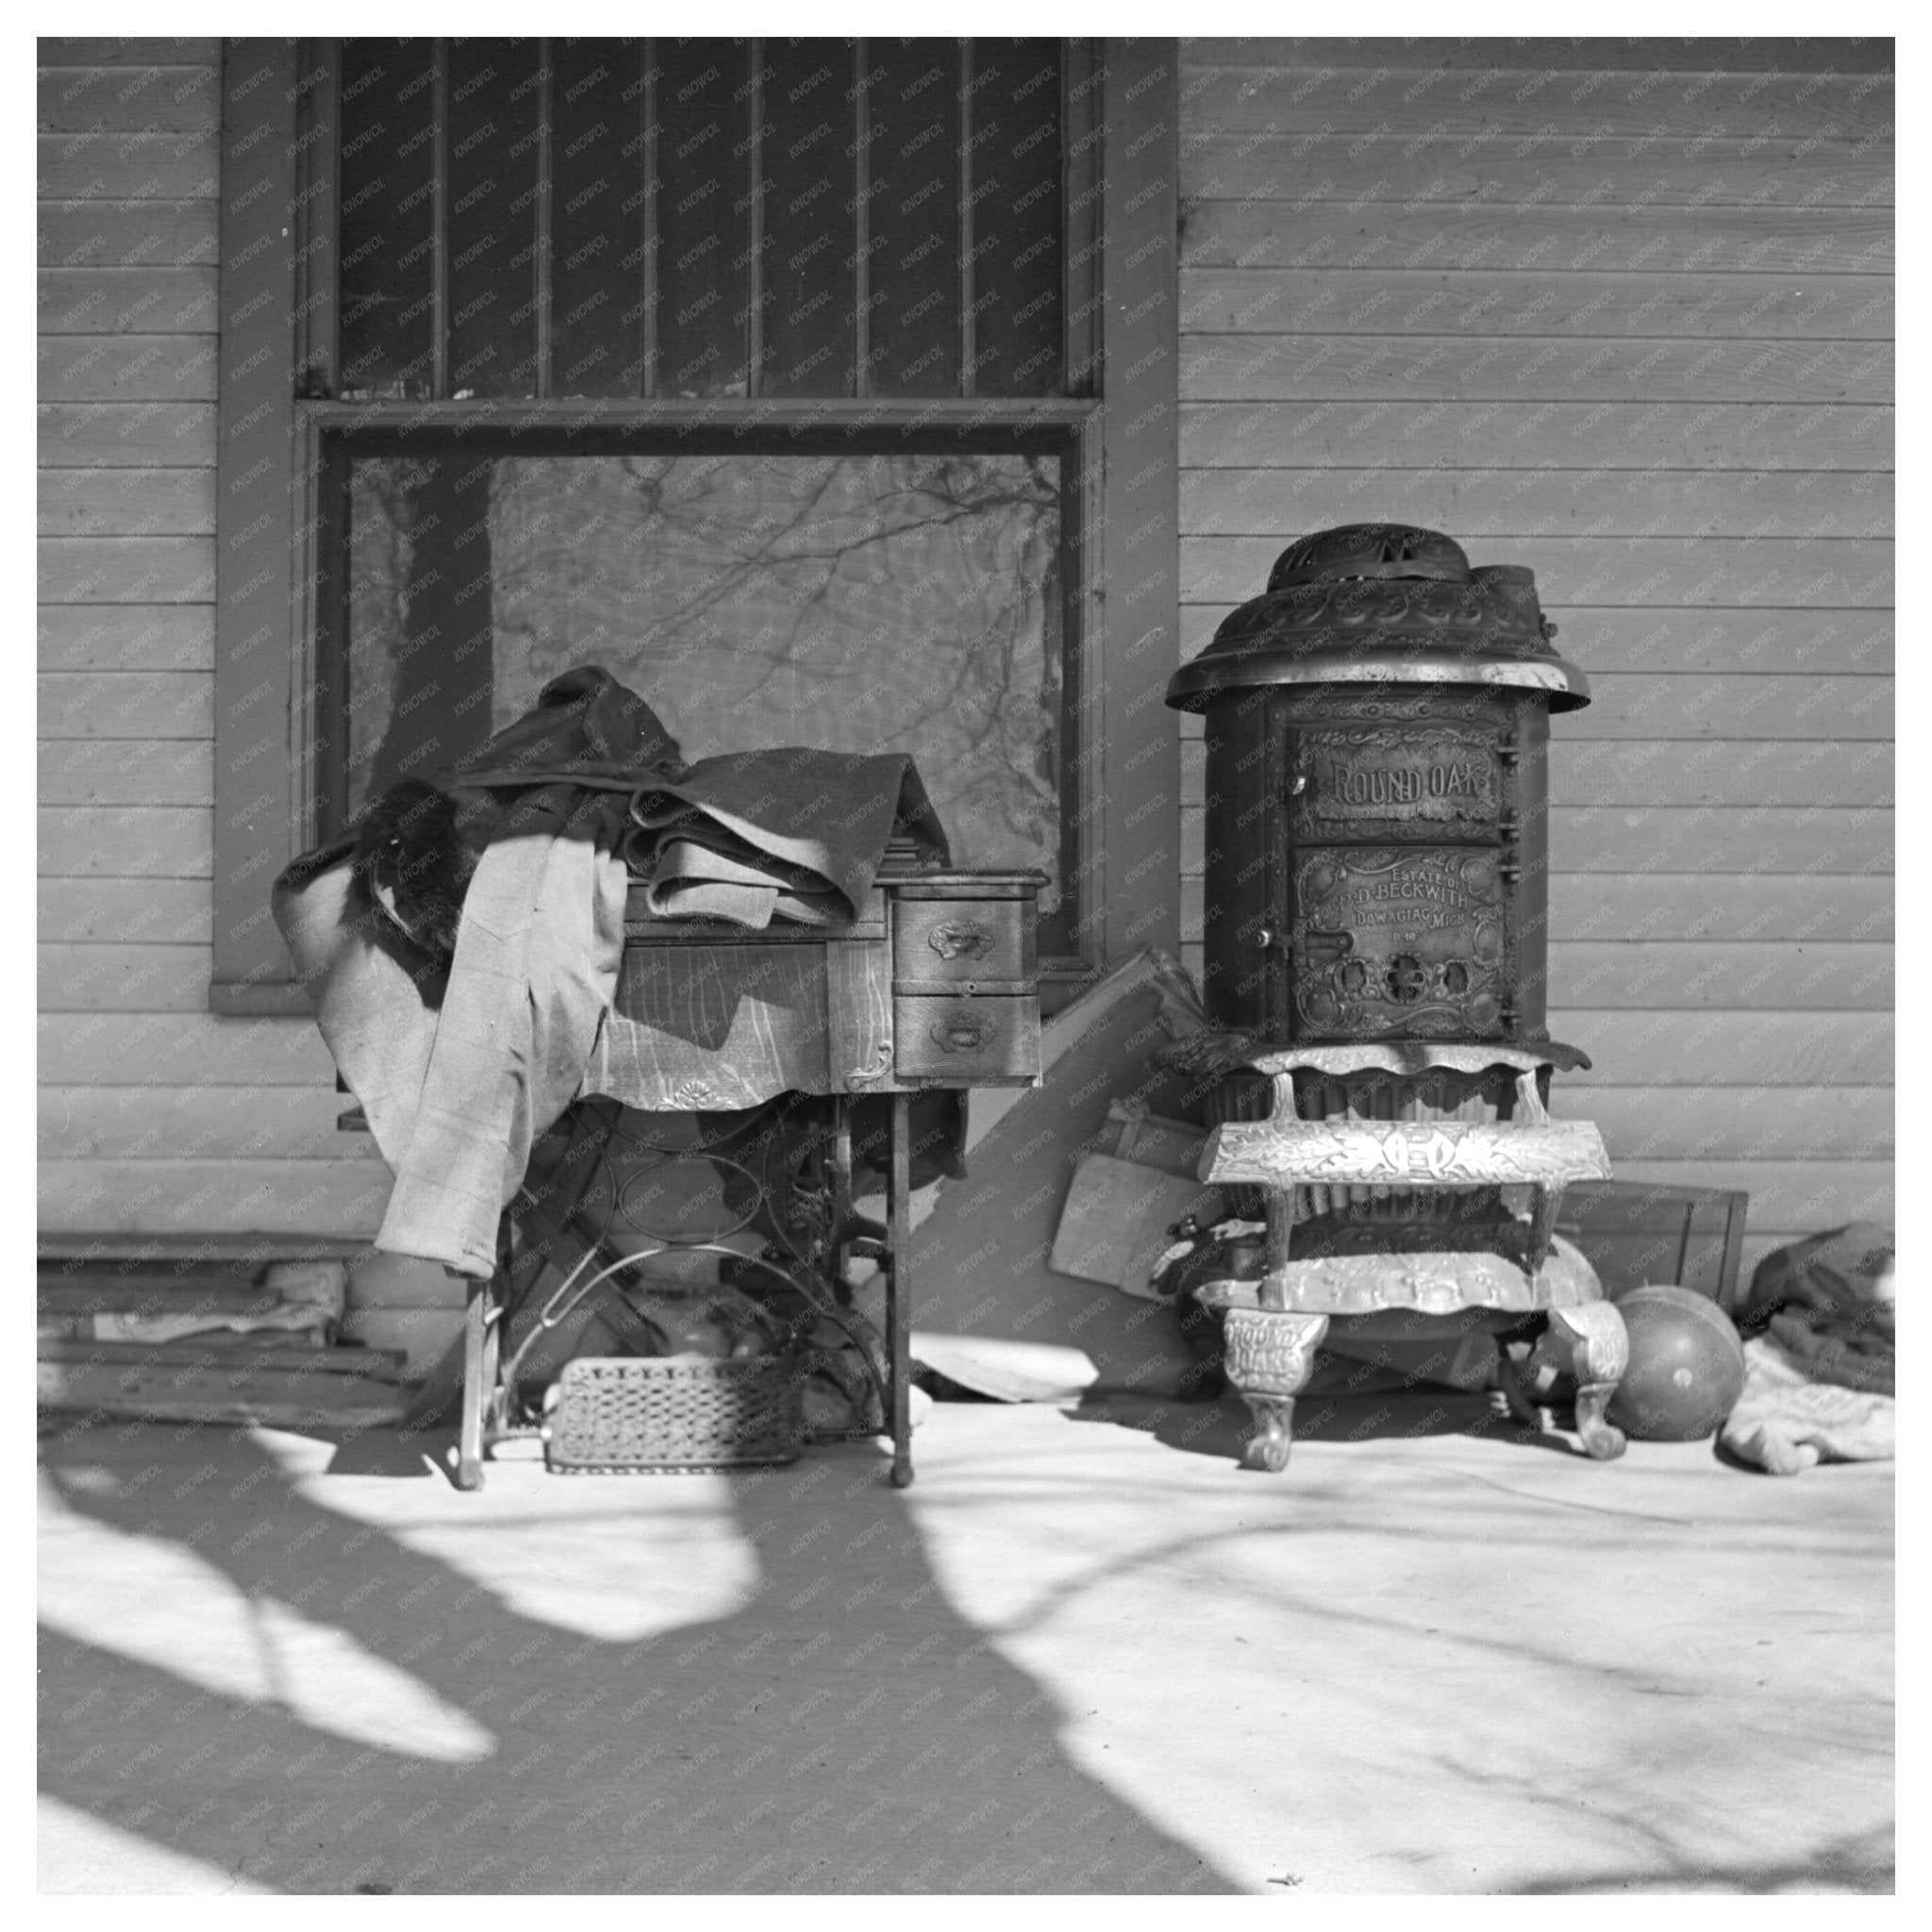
768	373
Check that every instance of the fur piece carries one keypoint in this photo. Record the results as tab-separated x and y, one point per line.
417	849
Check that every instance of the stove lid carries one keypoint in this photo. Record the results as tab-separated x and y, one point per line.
1384	603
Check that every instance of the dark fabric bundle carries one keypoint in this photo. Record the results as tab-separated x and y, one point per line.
1818	1300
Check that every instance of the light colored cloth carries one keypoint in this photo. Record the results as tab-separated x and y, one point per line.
454	1093
1786	1422
536	965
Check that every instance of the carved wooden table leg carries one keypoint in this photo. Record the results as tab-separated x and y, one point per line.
1599	1354
1268	1355
477	1388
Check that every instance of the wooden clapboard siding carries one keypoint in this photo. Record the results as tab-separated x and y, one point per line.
198	1124
119	770
128	301
1621	311
172	166
1775	1122
120	911
126	435
1505	505
1684	771
111	369
155	1116
221	1196
96	637
1612	436
1299	367
115	976
1717	841
1656	907
180	1050
1834	642
123	234
126	503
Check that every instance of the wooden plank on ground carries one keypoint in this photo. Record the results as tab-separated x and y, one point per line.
126	503
1437	302
128	301
152	704
1732	1123
127	569
119	771
120	100
1609	436
137	1050
197	1123
110	977
1720	1049
1496	507
1612	235
146	841
1412	169
226	1353
1605	640
1362	98
126	435
335	1197
126	637
126	369
274	1398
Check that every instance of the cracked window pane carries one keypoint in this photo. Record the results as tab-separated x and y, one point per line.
873	603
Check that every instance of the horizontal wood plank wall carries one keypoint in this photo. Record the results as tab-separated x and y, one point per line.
154	1116
1621	313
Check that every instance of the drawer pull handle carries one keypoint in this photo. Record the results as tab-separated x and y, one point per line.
957	940
961	1033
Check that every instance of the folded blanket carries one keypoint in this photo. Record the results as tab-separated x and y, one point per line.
791	833
1785	1421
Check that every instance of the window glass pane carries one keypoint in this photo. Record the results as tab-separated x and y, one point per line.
912	98
495	93
1018	348
704	216
597	218
811	182
386	271
856	603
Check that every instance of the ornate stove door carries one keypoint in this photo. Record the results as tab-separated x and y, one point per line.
1401	866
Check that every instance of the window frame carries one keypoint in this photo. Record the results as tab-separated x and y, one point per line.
1118	447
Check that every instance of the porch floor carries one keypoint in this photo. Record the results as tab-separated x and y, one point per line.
1085	1653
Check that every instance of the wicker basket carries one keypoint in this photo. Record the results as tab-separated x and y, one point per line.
662	1413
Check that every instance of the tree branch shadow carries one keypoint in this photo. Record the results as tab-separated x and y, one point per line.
844	1730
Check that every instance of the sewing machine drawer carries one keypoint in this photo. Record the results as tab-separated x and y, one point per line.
952	944
965	1040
